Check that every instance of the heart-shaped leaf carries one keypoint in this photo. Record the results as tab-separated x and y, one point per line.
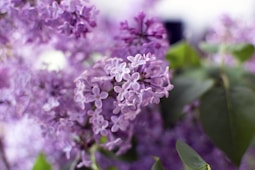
182	55
241	51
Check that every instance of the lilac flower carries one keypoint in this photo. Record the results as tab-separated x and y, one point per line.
111	145
112	63
136	60
119	123
15	91
80	99
95	116
132	80
119	71
97	96
130	112
100	125
122	92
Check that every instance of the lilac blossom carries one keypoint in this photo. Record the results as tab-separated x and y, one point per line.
119	123
144	35
63	25
113	96
99	125
15	91
105	99
97	96
132	81
136	60
119	71
49	18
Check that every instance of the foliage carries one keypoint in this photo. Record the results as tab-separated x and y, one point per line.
157	165
226	95
190	158
182	55
42	163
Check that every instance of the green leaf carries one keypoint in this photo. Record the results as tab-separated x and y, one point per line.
182	55
187	88
41	163
190	158
209	48
157	165
241	51
228	117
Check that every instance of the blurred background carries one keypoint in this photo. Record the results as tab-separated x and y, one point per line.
196	15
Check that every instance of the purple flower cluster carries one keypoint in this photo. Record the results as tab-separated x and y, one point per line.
63	25
14	91
42	20
113	91
101	107
143	35
111	94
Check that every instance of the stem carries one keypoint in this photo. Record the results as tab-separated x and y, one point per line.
94	165
222	53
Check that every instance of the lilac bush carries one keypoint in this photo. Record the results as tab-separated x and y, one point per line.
73	109
96	101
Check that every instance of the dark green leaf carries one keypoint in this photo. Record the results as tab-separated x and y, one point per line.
157	165
182	55
187	88
228	117
42	163
235	75
190	158
242	51
209	48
